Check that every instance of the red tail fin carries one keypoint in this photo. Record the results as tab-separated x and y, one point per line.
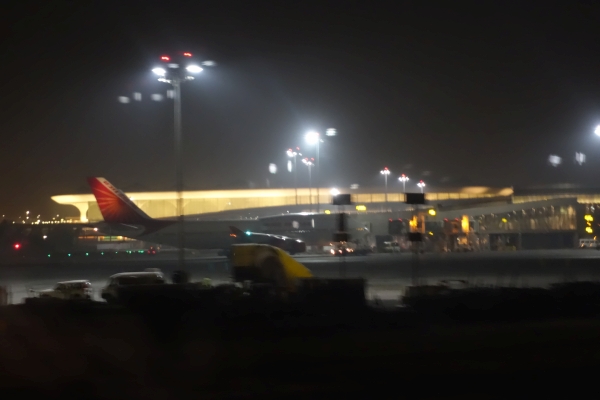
114	205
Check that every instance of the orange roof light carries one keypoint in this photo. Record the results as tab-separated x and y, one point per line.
187	54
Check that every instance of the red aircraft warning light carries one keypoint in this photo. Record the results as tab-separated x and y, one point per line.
17	246
165	58
187	54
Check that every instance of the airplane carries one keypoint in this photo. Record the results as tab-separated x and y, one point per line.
123	218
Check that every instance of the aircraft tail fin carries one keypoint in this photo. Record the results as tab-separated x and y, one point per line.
114	205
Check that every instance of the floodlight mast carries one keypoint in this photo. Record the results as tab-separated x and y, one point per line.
403	178
309	163
314	138
175	76
295	154
385	172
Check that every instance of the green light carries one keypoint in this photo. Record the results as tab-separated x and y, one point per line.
69	254
48	255
87	254
116	252
102	253
248	233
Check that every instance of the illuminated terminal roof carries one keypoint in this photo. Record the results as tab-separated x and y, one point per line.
163	204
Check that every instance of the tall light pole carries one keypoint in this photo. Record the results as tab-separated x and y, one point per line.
403	178
177	71
295	154
309	163
421	184
385	172
314	137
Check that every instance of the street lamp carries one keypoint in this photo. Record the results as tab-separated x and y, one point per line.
309	163
295	154
174	73
403	178
385	172
421	184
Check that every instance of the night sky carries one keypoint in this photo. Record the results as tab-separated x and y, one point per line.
455	93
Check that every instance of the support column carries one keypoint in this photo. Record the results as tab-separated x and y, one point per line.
83	209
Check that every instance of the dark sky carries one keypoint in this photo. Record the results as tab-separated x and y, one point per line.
473	92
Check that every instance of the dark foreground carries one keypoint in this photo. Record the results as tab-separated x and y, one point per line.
551	345
104	352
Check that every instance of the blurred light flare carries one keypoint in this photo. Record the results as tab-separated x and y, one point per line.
159	71
312	137
194	69
554	160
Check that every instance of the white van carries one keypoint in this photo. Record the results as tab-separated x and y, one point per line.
589	244
152	277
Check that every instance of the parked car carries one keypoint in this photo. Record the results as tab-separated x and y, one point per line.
149	277
68	290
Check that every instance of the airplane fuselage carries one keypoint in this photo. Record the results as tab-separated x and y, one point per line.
199	235
124	218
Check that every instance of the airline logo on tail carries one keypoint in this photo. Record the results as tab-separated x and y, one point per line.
114	205
117	208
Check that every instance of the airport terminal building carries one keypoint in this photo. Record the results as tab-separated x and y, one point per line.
499	218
